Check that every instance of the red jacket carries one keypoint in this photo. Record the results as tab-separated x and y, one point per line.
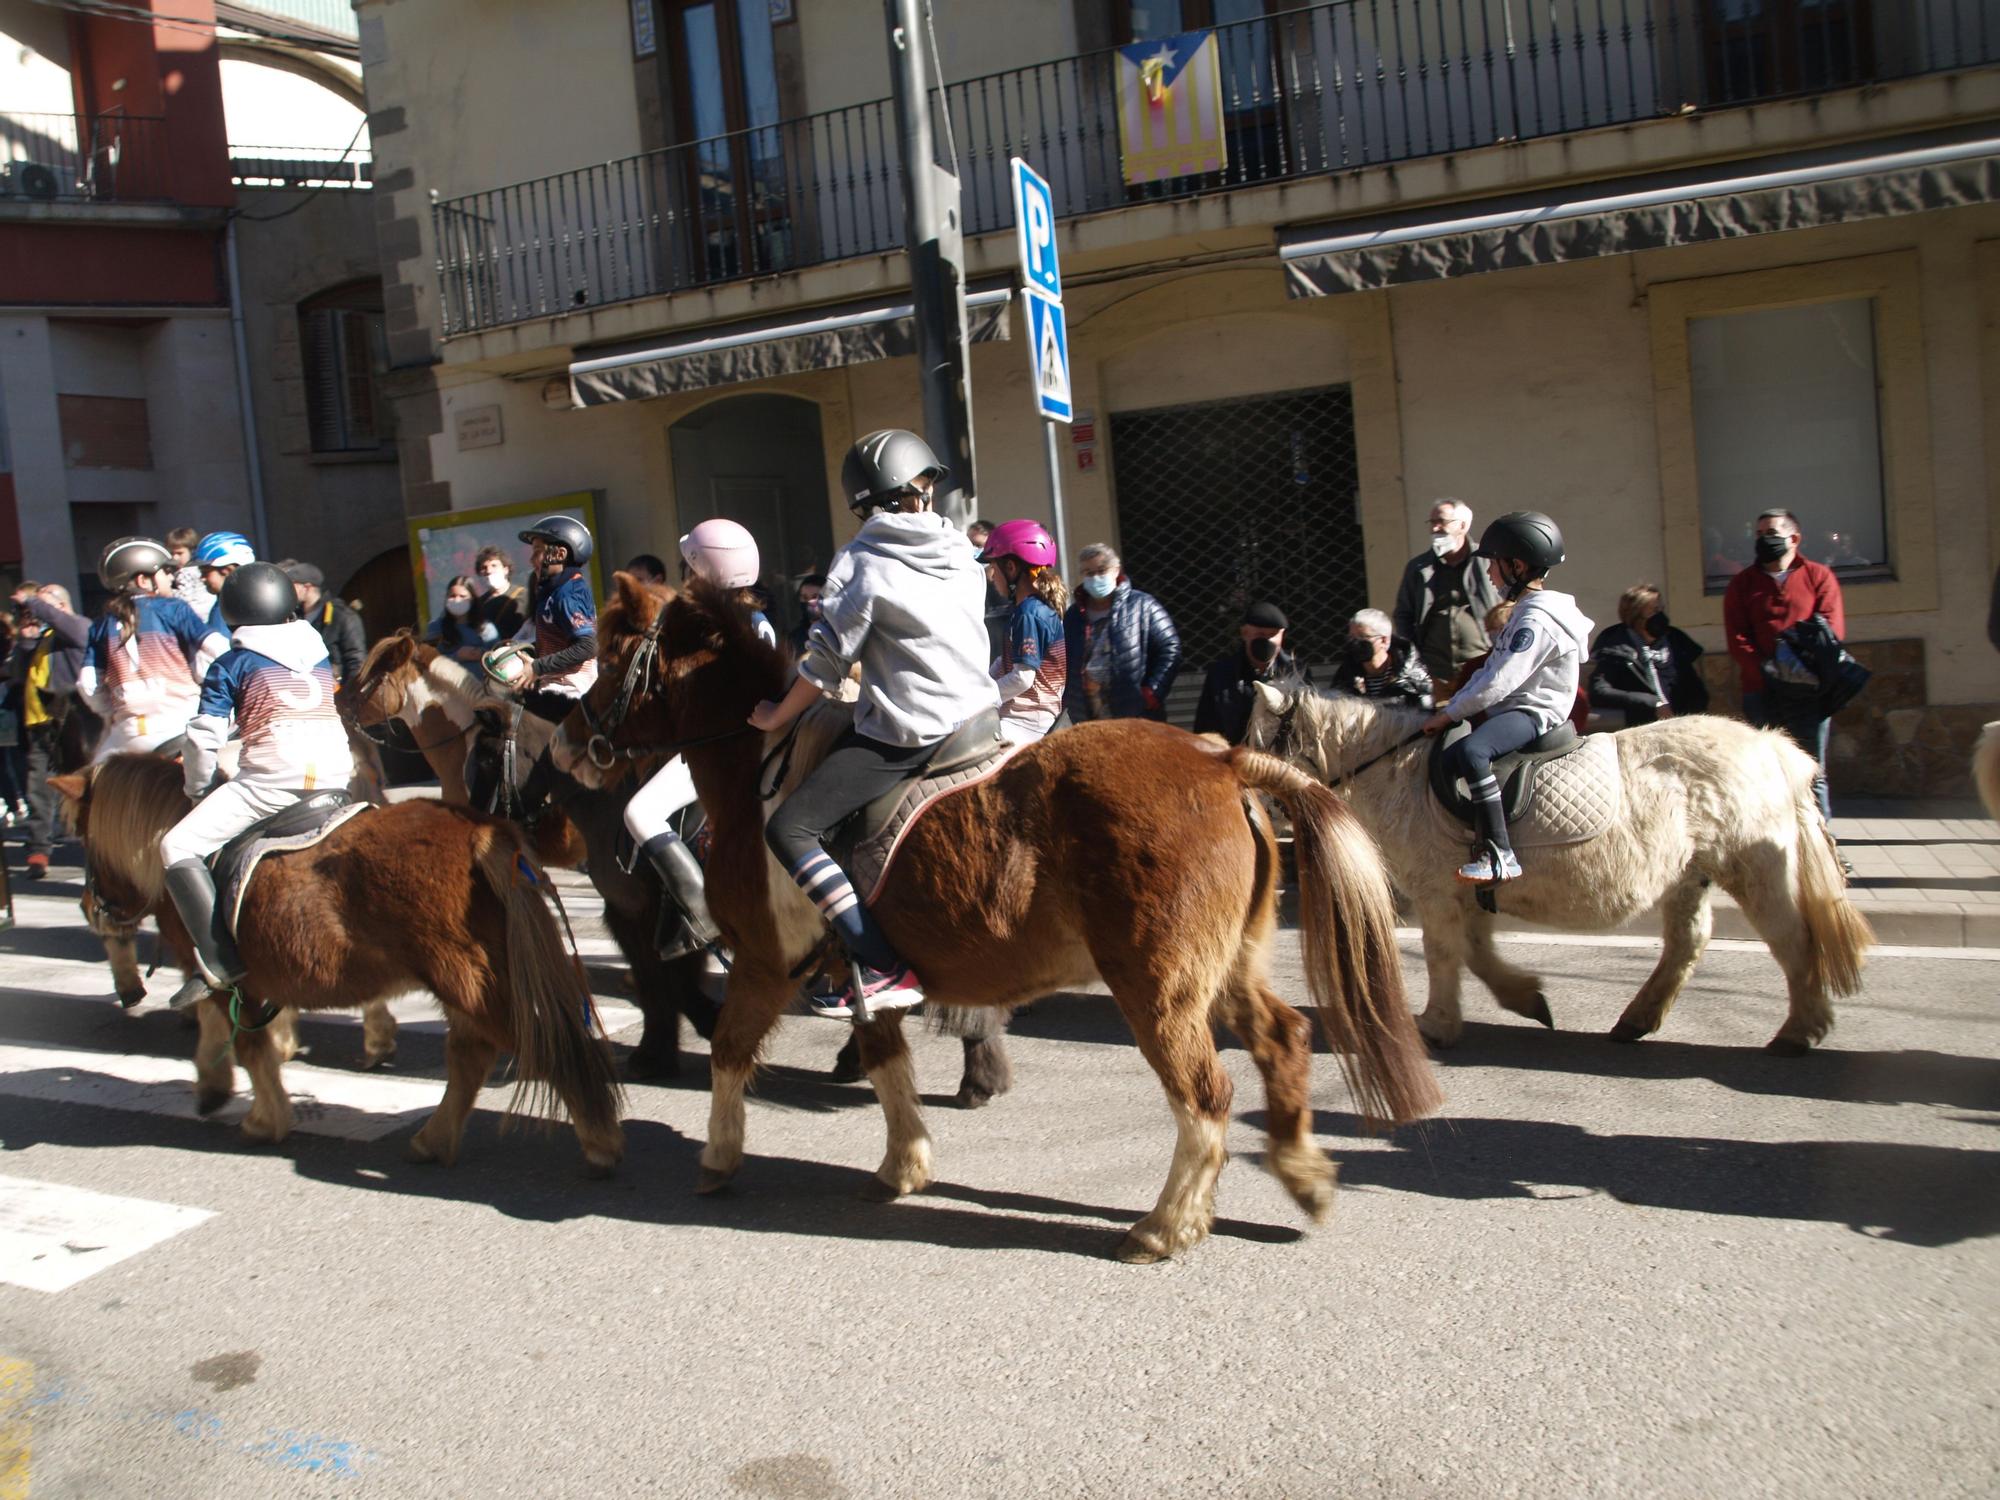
1755	608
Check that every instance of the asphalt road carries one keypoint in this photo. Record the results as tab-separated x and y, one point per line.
1681	1268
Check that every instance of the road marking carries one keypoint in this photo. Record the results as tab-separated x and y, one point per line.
52	1236
1718	945
17	1386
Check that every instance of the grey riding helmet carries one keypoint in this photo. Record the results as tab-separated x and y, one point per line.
883	465
1523	536
128	557
258	593
566	532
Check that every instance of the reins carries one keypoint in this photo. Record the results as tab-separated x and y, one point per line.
1281	746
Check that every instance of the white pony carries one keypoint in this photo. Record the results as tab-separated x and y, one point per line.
1707	801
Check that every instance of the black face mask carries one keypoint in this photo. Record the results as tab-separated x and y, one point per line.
1771	546
1658	623
1263	651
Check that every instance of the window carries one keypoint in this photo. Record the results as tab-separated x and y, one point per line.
344	349
1786	416
1758	48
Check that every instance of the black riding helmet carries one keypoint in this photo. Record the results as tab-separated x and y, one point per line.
884	464
566	532
258	593
128	557
1523	536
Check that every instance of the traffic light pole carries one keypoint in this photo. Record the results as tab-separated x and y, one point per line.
934	237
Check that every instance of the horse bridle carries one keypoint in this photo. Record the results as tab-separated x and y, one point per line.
599	749
1281	745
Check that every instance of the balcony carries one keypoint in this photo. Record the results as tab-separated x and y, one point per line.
299	166
1322	89
83	158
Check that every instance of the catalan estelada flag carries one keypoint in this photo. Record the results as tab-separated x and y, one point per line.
1170	107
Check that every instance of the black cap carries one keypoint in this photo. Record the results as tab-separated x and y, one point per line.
306	573
1266	614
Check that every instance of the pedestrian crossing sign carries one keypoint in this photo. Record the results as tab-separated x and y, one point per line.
1048	354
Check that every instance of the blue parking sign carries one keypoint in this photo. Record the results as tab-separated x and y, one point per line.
1048	355
1035	229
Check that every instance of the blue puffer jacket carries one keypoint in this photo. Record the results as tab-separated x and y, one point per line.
1145	654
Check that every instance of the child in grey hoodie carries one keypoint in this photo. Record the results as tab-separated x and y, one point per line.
1526	687
907	600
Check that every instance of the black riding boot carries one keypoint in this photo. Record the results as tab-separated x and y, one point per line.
1493	857
685	924
192	888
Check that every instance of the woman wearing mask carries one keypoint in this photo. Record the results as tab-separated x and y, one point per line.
1379	665
1642	668
1031	667
147	655
460	632
1123	650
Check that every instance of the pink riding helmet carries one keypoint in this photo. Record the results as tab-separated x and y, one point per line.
1028	540
723	552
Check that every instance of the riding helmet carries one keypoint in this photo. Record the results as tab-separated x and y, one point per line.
564	531
258	594
128	557
224	549
1028	540
883	465
722	551
1523	536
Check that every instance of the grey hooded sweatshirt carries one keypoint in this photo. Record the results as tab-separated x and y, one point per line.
907	600
1534	665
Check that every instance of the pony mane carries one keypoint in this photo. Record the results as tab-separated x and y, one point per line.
132	801
702	617
1344	729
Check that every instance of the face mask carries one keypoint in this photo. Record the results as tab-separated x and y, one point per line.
1771	547
457	606
1445	545
1264	651
496	583
1099	585
1658	623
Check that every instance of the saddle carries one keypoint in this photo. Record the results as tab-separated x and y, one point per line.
866	843
315	815
1558	789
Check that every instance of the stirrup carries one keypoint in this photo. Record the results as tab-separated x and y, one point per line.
192	993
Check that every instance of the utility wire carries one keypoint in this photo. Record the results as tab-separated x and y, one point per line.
325	183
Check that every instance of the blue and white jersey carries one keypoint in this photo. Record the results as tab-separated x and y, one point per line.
276	685
565	613
147	683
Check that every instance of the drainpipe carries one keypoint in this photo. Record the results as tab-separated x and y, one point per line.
253	458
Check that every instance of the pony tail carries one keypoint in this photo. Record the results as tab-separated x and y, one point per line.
125	613
1050	588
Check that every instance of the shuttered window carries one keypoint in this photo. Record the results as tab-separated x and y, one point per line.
342	340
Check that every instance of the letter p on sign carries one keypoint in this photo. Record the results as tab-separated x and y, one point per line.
1035	230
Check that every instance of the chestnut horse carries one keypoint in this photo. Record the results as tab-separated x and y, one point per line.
411	896
1126	852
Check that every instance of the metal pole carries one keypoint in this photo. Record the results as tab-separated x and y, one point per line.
253	457
1052	448
934	239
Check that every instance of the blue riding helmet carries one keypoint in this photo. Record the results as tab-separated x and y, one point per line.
224	549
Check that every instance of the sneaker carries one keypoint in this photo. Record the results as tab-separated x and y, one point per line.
38	867
884	989
1481	870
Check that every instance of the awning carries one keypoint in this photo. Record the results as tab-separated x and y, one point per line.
824	339
1859	181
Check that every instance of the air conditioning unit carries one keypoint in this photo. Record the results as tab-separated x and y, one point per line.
31	179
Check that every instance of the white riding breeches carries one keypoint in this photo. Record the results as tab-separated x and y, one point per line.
127	734
1024	731
652	808
220	816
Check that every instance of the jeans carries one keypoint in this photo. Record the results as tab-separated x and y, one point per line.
1806	729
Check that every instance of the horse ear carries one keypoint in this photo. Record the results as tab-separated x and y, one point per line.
628	590
71	787
1269	696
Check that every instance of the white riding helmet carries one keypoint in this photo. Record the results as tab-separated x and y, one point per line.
723	552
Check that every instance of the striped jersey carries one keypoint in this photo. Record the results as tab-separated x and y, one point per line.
1035	642
151	679
276	683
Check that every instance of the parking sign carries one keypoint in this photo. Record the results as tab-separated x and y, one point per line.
1035	230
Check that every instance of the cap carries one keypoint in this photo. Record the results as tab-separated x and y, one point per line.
1265	614
306	573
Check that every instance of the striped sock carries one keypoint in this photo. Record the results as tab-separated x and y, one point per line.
827	884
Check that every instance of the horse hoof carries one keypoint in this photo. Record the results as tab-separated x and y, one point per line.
129	998
875	1190
847	1065
709	1181
1134	1251
208	1101
418	1154
1538	1010
646	1067
597	1171
373	1060
1785	1046
970	1098
1628	1031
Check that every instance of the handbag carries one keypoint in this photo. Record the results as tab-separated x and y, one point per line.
1812	667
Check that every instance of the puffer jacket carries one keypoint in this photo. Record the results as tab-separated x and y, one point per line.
1145	656
1406	683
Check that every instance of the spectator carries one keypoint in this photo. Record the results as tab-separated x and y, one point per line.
1121	645
647	568
999	609
13	763
503	604
338	625
44	679
1260	657
1445	595
812	589
1778	591
1381	664
187	572
1642	668
459	632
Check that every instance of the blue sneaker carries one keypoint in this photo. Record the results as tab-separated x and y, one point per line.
884	989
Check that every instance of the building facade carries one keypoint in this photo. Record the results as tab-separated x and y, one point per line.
1649	265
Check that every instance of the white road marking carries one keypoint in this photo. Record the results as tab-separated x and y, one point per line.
52	1236
1717	945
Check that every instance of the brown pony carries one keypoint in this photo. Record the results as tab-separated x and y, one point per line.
411	896
1126	852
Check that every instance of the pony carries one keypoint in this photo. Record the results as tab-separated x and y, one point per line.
1125	852
1708	802
437	698
413	895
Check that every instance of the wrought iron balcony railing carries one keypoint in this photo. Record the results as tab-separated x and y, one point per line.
86	158
300	166
1304	92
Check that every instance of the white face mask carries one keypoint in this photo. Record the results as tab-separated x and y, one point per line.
493	583
1444	545
457	606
